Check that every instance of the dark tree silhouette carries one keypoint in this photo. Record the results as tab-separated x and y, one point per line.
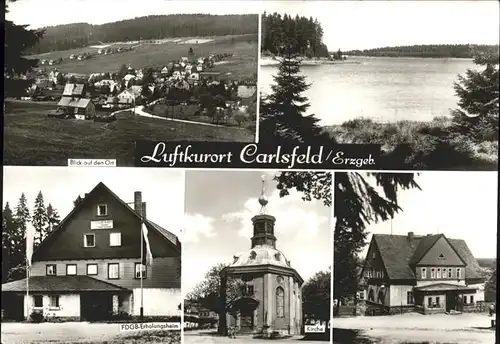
283	113
17	40
477	113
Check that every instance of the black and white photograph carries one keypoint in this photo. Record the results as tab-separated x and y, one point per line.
415	257
420	78
96	76
84	250
256	256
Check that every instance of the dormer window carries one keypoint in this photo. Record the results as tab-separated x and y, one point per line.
277	256
424	273
458	273
433	273
253	255
102	210
438	273
235	259
441	256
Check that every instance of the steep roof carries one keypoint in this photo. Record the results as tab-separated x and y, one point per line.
74	102
74	90
75	283
169	236
398	252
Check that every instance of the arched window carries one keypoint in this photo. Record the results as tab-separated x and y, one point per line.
371	297
381	297
280	302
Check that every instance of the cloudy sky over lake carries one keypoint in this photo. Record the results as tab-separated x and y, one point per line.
460	205
219	208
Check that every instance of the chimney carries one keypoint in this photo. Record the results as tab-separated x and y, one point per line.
143	209
411	235
138	202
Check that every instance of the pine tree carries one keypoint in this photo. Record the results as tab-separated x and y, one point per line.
477	115
39	219
283	112
18	255
8	231
52	218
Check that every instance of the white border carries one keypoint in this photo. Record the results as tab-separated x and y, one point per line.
257	110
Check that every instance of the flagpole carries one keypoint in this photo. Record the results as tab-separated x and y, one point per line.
142	264
27	289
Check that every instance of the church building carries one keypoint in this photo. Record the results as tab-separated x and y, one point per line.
261	291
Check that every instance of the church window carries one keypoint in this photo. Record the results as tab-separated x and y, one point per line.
280	302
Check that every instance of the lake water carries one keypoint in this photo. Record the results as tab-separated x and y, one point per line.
384	89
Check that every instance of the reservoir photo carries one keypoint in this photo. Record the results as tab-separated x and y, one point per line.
384	89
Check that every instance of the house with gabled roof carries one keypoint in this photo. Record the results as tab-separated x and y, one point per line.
90	268
428	274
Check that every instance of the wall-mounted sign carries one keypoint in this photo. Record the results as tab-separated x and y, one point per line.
102	224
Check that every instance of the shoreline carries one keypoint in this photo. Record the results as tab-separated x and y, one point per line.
269	61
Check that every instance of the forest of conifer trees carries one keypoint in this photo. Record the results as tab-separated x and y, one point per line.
304	36
77	35
428	50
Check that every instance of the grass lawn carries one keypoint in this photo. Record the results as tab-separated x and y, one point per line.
31	138
243	64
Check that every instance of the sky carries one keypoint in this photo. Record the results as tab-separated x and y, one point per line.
350	25
219	208
460	205
106	11
162	189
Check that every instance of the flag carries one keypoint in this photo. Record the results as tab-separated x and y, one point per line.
30	236
149	255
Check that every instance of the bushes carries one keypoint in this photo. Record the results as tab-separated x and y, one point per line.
36	317
413	144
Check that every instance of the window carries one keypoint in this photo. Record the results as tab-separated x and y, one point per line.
465	299
472	299
450	272
115	239
253	255
140	270
438	273
409	298
89	240
38	300
433	273
102	210
113	271
437	302
277	256
280	302
441	257
70	269
91	269
54	301
51	270
458	273
374	255
429	301
250	290
361	295
424	273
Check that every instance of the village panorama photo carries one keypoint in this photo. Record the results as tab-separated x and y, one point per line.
86	250
415	257
90	81
256	258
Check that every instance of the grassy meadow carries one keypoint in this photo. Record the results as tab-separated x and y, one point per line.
31	138
243	64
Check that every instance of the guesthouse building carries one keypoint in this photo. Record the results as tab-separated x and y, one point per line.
90	268
427	274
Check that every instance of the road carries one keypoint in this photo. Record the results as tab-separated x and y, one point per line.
417	328
63	333
211	337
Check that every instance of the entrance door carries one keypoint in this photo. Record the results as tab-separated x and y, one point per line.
451	301
96	306
246	321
